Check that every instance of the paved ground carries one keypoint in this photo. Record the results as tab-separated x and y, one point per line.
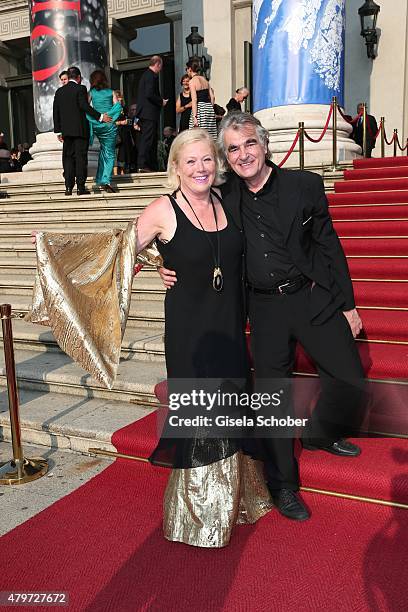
67	472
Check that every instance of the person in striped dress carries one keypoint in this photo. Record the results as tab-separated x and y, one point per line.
202	98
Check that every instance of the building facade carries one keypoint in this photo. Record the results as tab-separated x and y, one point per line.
139	28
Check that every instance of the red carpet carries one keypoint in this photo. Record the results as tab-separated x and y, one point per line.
378	211
103	544
375	246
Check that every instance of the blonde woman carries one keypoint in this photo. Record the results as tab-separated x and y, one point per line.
209	489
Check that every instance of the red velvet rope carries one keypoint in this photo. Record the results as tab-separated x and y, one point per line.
353	121
392	139
289	153
324	129
399	146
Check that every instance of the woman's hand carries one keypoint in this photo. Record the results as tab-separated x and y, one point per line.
34	236
195	122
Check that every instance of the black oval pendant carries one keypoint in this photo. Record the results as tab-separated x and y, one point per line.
218	280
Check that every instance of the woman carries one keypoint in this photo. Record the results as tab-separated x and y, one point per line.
183	103
212	486
103	100
202	99
124	140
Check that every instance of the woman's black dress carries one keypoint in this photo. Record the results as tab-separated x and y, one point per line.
185	115
204	329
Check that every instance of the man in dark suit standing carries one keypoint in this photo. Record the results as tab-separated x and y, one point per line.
149	104
70	123
358	130
299	290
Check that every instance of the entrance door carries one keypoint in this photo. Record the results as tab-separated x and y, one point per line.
23	114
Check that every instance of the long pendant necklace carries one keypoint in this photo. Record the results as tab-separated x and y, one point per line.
218	279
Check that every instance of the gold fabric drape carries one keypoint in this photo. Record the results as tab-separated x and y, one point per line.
202	504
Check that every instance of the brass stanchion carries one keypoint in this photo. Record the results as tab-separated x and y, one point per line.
364	130
334	130
19	469
395	142
382	136
301	145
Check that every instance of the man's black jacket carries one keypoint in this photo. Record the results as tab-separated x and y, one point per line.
149	101
309	237
70	108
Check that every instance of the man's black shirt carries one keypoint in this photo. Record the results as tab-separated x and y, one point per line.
267	259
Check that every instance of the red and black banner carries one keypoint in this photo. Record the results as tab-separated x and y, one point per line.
64	33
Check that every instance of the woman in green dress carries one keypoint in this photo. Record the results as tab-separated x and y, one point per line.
102	98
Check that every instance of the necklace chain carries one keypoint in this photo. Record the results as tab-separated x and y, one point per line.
218	280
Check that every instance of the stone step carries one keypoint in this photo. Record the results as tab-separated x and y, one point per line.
70	223
20	281
143	313
143	343
116	201
56	372
68	421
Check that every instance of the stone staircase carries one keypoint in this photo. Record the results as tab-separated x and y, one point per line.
47	377
61	405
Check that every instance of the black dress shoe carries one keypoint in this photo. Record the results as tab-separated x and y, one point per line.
68	192
108	188
342	448
289	505
83	192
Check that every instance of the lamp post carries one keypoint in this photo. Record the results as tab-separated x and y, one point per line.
368	17
195	44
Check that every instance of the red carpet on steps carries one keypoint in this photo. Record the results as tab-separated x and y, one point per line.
371	228
380	212
371	185
375	246
369	197
393	295
380	162
103	544
376	173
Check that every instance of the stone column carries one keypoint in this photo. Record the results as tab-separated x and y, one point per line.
63	33
298	66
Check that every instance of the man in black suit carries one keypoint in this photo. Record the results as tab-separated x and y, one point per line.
149	103
70	123
299	289
358	130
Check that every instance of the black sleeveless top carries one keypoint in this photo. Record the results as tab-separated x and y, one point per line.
204	329
203	95
185	115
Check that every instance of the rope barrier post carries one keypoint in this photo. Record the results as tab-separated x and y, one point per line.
19	469
301	145
382	136
364	130
395	138
334	130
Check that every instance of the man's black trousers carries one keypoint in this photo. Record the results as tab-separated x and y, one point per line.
75	161
147	150
278	322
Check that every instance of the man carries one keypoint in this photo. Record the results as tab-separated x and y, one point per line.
70	123
149	104
63	77
235	103
25	156
299	289
358	131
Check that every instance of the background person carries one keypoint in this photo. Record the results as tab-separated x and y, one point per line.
149	105
235	103
25	156
69	111
103	101
4	155
183	103
202	98
63	77
358	130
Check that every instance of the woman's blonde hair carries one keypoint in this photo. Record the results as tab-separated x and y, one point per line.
185	138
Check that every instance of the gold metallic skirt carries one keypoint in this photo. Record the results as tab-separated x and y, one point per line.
202	504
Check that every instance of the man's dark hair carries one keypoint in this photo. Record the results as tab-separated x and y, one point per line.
73	72
63	73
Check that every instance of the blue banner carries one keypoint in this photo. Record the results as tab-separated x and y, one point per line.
298	52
